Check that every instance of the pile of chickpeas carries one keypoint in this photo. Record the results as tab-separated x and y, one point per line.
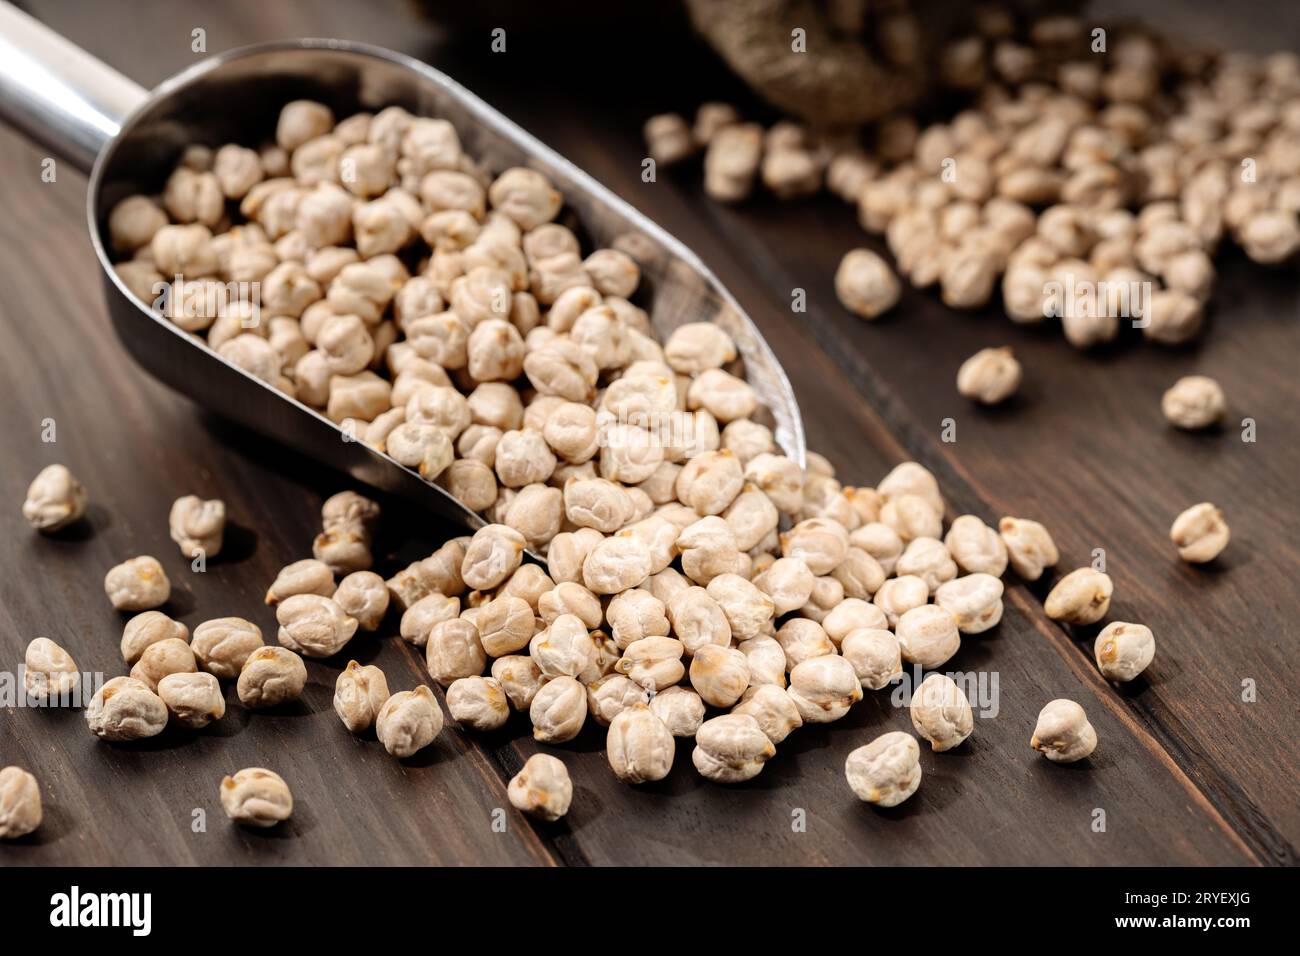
1072	165
698	583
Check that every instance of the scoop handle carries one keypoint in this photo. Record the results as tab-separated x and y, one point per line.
56	93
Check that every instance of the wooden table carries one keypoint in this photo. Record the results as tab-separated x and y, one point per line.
1187	772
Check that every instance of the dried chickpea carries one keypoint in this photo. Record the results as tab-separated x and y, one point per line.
494	553
20	803
875	655
989	376
570	598
363	596
542	788
421	617
928	559
125	709
639	747
1081	597
928	635
454	650
256	797
271	676
824	688
1124	650
975	547
1030	547
719	674
941	713
313	625
974	601
172	656
788	582
138	584
865	284
55	499
1200	533
308	576
558	710
478	703
359	694
852	614
49	672
802	639
731	161
731	748
1063	734
408	722
197	526
899	595
886	771
1194	401
911	517
697	620
194	700
681	710
147	628
611	694
653	662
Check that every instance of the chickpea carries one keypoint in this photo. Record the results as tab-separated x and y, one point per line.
928	635
1194	401
731	161
821	544
359	694
653	662
479	703
788	582
570	598
802	639
723	395
138	584
454	650
610	695
256	797
824	688
635	614
766	659
886	771
719	674
558	710
20	803
1063	734
899	595
542	788
520	678
494	553
1030	547
681	710
193	700
148	628
1124	651
564	649
1200	533
865	284
639	747
1081	597
731	748
773	709
616	564
974	601
697	620
308	576
941	713
875	655
125	709
364	597
748	609
55	499
50	674
271	676
780	478
408	722
989	376
313	625
852	614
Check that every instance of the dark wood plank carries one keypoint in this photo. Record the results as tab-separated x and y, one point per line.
1161	783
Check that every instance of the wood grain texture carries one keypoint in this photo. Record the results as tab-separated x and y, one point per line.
1186	773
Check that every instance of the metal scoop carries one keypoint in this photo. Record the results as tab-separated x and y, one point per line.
129	139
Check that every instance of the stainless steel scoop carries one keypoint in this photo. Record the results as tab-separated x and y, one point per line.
129	139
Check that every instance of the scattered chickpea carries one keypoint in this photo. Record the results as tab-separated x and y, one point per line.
1194	401
639	747
1123	650
50	673
256	797
20	803
1200	533
198	526
125	709
542	788
1063	734
989	376
271	676
865	284
886	771
731	748
1081	597
941	713
194	700
408	721
359	694
1030	547
55	499
138	584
